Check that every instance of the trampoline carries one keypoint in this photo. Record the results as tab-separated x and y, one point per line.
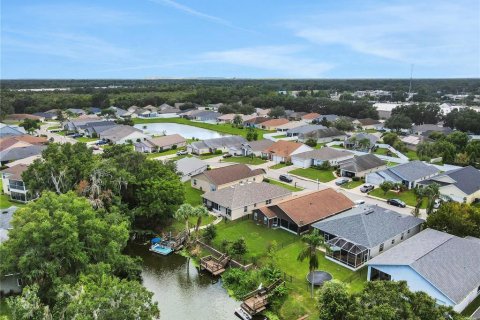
319	277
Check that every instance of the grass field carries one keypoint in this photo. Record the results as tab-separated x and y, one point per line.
86	139
279	166
472	307
163	153
314	174
284	185
412	155
280	136
245	160
352	184
222	128
407	196
258	239
192	195
385	152
209	155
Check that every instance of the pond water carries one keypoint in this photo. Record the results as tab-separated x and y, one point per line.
181	129
182	292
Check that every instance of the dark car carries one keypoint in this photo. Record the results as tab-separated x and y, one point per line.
101	142
285	178
396	203
367	188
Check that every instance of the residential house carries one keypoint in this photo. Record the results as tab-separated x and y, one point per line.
25	140
206	116
323	135
94	128
361	141
412	141
190	166
225	177
384	109
304	129
256	147
10	130
273	124
299	213
119	112
6	216
255	122
295	116
14	154
94	110
78	124
355	236
215	106
13	184
262	112
22	117
327	117
309	117
122	134
77	112
290	125
446	108
444	266
361	165
460	185
317	157
426	129
223	144
46	115
242	199
282	151
158	144
368	123
408	174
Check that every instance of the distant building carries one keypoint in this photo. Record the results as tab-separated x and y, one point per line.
317	157
158	144
282	151
122	134
224	144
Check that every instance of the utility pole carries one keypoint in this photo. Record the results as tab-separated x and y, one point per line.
410	86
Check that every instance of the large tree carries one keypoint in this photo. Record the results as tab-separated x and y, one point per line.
56	237
459	219
334	301
398	122
30	125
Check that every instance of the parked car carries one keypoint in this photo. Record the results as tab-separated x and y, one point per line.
77	135
341	181
367	188
226	155
100	142
285	178
396	203
437	203
182	152
359	202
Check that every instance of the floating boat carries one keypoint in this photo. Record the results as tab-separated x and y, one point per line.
160	247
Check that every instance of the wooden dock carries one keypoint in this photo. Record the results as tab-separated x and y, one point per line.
257	301
215	266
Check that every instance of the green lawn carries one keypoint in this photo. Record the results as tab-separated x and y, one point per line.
412	155
208	156
280	136
472	307
338	146
246	160
385	152
279	166
5	200
285	185
179	226
314	174
258	238
53	127
192	195
407	196
222	128
163	153
86	139
352	184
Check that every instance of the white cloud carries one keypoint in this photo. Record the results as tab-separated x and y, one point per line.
426	32
282	60
199	14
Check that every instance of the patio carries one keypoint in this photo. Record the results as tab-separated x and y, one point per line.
348	253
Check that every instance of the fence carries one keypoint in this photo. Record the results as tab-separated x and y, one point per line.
233	263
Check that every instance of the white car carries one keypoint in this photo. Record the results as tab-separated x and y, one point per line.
359	202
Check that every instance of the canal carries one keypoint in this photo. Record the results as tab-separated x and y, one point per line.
182	292
185	131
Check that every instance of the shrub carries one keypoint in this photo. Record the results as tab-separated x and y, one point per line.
218	152
174	147
210	233
355	179
266	180
311	142
239	247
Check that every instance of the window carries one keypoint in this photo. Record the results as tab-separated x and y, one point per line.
393	241
245	209
194	182
408	231
212	188
19	282
381	248
255	215
268	201
254	205
229	212
402	236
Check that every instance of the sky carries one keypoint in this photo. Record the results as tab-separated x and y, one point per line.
145	39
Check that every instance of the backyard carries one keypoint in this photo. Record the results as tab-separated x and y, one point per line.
163	153
406	196
245	160
222	128
259	238
284	185
192	195
385	152
314	174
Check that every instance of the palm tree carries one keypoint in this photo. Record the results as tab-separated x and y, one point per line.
419	195
199	212
183	213
432	192
312	240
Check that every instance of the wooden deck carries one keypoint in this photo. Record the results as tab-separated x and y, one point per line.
257	301
215	266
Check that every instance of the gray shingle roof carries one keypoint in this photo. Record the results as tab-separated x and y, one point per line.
187	165
323	133
466	179
305	129
6	216
362	163
217	143
118	132
449	263
323	154
246	194
259	145
368	226
21	153
413	170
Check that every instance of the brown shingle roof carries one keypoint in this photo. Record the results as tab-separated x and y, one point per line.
231	173
311	116
167	140
368	121
274	122
315	206
15	172
22	116
31	140
283	148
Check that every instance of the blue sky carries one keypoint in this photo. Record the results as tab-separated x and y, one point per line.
252	39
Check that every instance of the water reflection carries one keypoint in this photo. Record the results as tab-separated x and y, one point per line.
180	290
